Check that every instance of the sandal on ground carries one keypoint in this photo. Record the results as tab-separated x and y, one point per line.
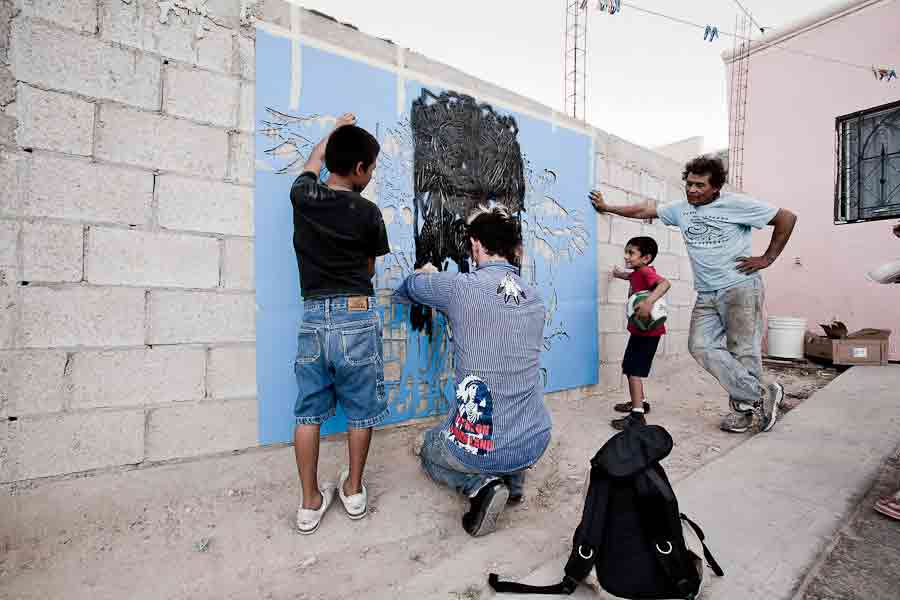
308	520
356	505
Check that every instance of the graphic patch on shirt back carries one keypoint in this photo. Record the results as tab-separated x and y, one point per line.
510	288
473	425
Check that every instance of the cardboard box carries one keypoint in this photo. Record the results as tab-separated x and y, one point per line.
864	347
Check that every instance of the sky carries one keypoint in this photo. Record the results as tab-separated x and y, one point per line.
649	80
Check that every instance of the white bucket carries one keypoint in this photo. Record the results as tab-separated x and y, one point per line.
786	337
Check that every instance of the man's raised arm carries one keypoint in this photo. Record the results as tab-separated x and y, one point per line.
633	211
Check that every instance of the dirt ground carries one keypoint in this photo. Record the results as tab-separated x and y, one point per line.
221	527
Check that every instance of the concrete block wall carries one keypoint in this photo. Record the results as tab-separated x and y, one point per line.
630	174
127	329
126	227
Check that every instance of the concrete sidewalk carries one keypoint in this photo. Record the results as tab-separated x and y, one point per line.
771	506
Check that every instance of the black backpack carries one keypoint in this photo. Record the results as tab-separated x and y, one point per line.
631	531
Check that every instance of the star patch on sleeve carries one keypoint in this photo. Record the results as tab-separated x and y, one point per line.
510	289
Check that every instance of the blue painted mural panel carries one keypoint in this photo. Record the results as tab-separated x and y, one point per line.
559	234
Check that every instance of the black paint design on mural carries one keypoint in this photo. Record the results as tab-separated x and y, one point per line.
465	155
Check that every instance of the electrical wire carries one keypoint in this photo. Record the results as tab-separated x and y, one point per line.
740	37
749	16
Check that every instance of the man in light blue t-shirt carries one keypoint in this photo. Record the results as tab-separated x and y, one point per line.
726	324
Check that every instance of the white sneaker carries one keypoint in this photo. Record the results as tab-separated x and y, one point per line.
308	520
356	505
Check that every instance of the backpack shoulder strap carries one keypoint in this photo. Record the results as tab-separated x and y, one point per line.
710	559
565	587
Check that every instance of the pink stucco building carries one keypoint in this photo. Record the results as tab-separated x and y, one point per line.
822	138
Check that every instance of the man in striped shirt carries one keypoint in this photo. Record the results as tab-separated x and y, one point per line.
500	425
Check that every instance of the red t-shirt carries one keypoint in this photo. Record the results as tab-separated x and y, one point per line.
645	278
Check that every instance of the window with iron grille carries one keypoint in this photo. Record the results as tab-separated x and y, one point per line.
868	165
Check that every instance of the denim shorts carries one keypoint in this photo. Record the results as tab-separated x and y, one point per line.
340	360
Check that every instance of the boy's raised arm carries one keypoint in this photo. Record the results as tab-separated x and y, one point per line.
317	157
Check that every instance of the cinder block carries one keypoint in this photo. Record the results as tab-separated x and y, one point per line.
604	227
617	291
201	95
159	142
609	256
69	188
682	293
122	378
54	121
621	176
678	344
247	116
675	193
611	378
54	58
215	50
601	170
612	346
178	33
243	159
613	196
611	318
129	257
667	266
9	306
342	36
659	233
246	57
81	316
201	317
31	382
623	230
238	265
75	14
9	243
69	443
11	167
686	270
676	243
52	252
232	372
203	428
194	205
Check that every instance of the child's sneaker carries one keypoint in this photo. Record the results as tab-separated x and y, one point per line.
356	505
633	418
308	520
625	407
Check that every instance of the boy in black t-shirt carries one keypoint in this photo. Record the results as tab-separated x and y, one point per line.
338	234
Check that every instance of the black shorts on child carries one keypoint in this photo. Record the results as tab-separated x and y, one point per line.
639	355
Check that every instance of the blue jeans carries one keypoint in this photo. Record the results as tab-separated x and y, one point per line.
726	339
443	467
340	359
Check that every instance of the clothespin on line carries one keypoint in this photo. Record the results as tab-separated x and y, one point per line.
882	73
711	33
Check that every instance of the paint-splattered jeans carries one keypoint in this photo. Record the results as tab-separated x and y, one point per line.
726	339
443	467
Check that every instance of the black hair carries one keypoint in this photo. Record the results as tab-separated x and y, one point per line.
348	146
645	245
707	165
499	232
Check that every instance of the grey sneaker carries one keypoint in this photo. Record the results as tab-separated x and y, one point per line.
736	422
770	403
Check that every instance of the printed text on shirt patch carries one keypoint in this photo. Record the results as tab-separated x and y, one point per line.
473	426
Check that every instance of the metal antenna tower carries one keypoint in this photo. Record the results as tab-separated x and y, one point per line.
737	93
576	58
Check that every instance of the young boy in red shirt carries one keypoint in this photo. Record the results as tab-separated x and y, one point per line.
642	345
